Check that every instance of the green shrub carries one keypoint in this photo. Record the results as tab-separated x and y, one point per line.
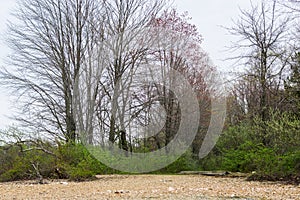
69	161
285	168
241	159
271	148
80	174
290	163
186	162
21	165
12	175
211	162
76	160
235	136
283	132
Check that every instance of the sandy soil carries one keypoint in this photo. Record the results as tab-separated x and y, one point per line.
151	187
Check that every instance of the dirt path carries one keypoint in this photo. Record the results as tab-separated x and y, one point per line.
151	187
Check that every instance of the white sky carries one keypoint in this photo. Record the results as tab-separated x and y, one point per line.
207	15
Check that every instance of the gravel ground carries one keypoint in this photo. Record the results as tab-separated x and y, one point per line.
151	187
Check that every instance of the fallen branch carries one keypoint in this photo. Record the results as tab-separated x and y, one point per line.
206	173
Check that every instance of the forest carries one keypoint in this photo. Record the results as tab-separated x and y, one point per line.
125	86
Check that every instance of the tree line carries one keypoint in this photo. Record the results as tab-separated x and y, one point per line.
99	73
262	128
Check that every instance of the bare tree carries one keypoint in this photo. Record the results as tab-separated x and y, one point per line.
50	44
178	48
126	43
79	65
263	33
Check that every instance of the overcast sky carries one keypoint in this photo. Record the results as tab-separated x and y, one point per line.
207	15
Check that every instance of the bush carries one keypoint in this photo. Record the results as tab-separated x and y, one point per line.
69	161
290	163
186	162
286	168
241	148
81	174
76	163
249	157
12	175
283	132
